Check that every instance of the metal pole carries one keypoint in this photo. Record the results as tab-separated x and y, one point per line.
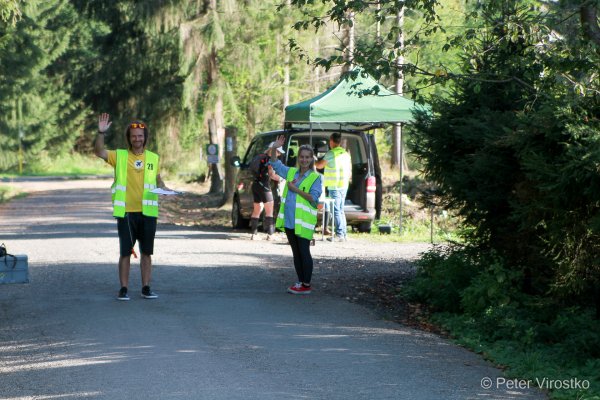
431	227
401	176
399	89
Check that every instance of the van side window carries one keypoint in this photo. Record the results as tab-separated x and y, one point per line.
256	147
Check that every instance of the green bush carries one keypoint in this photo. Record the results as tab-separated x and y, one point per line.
479	301
442	276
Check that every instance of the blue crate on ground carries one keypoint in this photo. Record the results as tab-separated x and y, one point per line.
14	269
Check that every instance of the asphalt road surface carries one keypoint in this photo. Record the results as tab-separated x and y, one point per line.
222	328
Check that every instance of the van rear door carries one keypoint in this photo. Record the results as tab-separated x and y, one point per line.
376	172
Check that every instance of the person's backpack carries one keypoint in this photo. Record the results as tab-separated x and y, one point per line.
258	165
4	254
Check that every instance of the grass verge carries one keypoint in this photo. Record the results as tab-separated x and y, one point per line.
65	165
7	193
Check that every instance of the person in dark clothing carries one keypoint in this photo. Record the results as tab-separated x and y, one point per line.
262	194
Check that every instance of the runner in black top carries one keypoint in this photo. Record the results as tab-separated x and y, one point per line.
262	194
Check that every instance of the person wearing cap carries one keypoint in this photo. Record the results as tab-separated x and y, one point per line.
134	205
262	194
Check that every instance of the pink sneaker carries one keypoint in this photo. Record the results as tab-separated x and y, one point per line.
298	288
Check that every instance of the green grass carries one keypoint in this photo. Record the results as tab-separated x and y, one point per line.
413	230
534	358
65	165
416	225
8	193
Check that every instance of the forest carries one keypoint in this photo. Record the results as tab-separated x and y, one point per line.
511	144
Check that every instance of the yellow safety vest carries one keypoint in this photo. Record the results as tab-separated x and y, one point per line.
119	187
305	213
338	169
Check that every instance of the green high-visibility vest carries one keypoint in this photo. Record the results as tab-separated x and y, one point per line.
119	187
305	213
338	169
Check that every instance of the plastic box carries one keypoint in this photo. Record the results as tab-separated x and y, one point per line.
14	269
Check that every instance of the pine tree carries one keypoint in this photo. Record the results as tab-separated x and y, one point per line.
37	109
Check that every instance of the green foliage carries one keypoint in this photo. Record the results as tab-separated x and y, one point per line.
37	109
9	11
45	164
479	302
376	55
515	151
442	276
7	193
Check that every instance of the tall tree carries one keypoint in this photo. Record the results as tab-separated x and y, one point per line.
38	52
515	148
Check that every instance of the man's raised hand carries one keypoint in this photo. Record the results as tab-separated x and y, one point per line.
279	141
104	122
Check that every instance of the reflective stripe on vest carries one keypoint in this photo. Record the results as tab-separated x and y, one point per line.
149	199
305	214
338	169
119	187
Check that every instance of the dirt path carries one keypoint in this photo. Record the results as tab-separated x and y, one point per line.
223	327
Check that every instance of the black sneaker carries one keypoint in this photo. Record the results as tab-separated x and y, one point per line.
148	294
122	296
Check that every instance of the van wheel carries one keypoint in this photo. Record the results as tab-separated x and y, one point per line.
364	227
237	221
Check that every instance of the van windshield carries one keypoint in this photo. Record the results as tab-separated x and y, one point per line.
320	143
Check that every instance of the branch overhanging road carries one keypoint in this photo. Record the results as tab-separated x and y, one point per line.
223	327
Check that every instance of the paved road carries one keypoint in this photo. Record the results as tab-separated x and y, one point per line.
223	327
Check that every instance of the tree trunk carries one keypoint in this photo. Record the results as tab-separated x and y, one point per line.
230	170
286	68
348	43
286	80
316	86
216	130
589	22
397	157
216	182
597	299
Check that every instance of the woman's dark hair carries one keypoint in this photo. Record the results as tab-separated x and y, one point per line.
128	132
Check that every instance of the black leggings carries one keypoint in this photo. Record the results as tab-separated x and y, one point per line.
303	261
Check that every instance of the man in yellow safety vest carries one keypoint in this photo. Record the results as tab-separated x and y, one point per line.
134	205
338	170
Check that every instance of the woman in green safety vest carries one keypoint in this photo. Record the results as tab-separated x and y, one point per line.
298	210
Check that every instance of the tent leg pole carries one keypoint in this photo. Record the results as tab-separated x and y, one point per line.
310	138
401	173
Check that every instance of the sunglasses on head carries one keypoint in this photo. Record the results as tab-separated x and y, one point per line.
137	125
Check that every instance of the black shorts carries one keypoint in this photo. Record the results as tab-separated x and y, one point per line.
260	194
136	227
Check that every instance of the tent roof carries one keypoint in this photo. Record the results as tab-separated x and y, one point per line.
342	105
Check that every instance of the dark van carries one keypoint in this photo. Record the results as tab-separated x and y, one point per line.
363	201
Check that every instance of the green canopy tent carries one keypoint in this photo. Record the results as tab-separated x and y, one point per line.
344	106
